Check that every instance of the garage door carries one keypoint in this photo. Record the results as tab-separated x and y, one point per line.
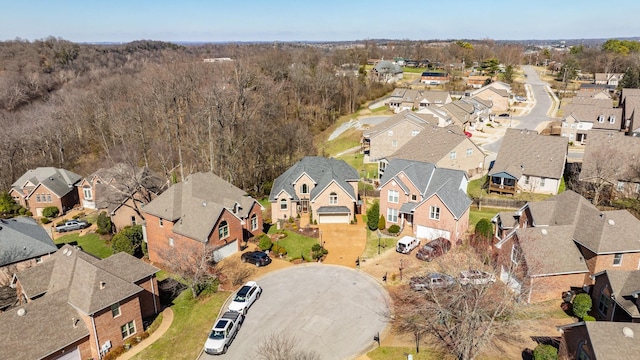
226	251
425	232
333	219
71	355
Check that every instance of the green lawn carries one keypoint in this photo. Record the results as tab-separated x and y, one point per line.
347	140
90	243
296	244
371	248
486	213
369	170
192	321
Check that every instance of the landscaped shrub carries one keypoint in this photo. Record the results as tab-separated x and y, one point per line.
145	250
8	206
291	221
588	318
104	224
61	222
545	352
121	243
50	212
265	243
372	216
394	229
22	211
275	248
484	227
45	220
79	215
114	353
282	251
317	252
129	240
582	305
382	224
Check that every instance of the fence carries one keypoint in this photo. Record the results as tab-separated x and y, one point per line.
499	203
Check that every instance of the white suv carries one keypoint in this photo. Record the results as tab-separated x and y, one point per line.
245	297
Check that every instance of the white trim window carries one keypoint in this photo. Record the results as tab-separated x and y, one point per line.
515	254
542	181
620	186
283	204
617	259
392	215
452	155
469	151
254	222
393	196
223	230
333	199
115	310
128	329
87	193
434	213
304	189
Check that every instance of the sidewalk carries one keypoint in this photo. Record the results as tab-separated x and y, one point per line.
167	319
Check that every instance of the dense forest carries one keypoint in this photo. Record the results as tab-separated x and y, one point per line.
84	106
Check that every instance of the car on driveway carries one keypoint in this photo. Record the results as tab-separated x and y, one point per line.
434	249
521	98
504	115
476	277
245	297
258	258
431	281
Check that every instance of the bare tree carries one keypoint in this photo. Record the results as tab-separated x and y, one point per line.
280	346
194	264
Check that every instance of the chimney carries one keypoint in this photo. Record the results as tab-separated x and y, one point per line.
102	285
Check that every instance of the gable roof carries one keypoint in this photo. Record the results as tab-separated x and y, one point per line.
524	152
59	181
550	251
387	67
418	119
624	284
609	151
321	170
22	239
198	202
433	144
430	181
592	114
608	339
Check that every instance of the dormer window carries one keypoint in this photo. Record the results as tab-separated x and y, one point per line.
612	119
304	189
601	118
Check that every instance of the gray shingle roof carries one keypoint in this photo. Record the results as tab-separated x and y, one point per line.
197	203
322	171
623	285
524	152
613	155
431	181
609	342
59	181
550	251
22	239
406	115
333	210
387	67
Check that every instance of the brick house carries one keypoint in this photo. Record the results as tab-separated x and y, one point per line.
431	201
23	244
615	295
204	212
387	137
446	147
599	340
324	188
121	191
46	186
560	243
434	77
498	93
95	305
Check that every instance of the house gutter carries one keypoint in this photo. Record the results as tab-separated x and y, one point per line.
153	293
95	333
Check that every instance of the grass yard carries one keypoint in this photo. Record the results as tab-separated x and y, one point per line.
400	353
296	244
90	243
486	213
369	170
371	248
347	140
192	322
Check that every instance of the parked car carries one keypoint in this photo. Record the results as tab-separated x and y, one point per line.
223	333
72	225
504	115
406	244
476	277
245	297
431	281
521	98
434	249
258	258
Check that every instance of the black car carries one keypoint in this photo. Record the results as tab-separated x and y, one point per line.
504	115
258	258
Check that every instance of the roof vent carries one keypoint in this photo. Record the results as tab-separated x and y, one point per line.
601	215
204	204
69	252
544	231
627	332
64	251
102	285
611	222
22	312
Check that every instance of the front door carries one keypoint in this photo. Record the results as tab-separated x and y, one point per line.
305	205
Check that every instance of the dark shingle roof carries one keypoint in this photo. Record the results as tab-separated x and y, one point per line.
22	239
524	152
406	115
550	251
321	170
59	181
612	155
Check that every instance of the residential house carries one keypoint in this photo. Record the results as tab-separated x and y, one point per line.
202	214
614	159
528	162
434	77
610	79
429	98
386	71
121	191
446	147
324	189
470	112
388	136
23	244
586	116
44	187
615	295
547	247
432	202
601	95
410	99
441	116
477	81
76	306
498	93
629	102
599	340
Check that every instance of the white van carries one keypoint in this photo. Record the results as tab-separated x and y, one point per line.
406	244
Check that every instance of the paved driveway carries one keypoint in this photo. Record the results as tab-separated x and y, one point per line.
328	309
344	242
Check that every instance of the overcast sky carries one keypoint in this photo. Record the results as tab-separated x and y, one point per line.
317	20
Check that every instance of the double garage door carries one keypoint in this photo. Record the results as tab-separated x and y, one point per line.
70	355
225	251
425	232
333	218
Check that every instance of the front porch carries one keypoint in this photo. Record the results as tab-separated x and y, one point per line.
503	185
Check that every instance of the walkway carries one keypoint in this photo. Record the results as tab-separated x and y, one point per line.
167	319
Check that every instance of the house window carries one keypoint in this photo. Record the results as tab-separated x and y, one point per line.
128	329
604	303
393	196
283	204
115	310
304	189
333	199
452	155
573	126
223	230
617	259
254	222
620	186
133	221
601	118
564	125
612	119
394	143
390	133
392	215
542	182
171	243
38	198
526	180
86	191
414	197
415	132
434	214
469	151
515	254
38	260
161	222
582	351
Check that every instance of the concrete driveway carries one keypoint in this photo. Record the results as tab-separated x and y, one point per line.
331	310
345	242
